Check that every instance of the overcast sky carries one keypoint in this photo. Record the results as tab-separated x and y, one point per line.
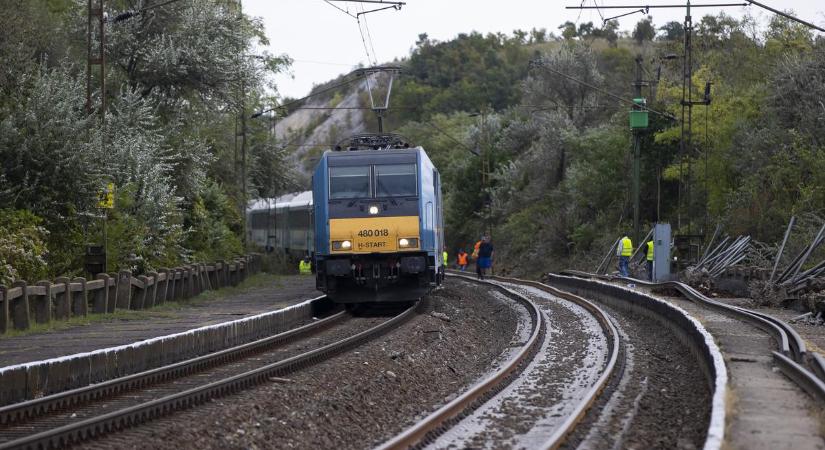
325	42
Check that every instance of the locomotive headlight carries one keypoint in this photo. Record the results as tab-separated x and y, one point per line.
373	210
346	245
341	245
408	243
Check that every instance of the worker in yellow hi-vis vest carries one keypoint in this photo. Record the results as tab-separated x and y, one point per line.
305	267
650	260
624	251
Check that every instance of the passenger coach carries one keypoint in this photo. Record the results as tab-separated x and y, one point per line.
378	225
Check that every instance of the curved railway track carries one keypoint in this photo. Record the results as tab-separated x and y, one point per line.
806	369
74	416
518	366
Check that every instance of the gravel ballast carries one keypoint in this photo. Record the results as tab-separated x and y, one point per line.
358	399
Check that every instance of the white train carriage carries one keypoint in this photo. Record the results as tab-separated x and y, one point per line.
282	224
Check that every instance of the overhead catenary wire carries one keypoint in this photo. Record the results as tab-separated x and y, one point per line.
132	12
539	64
436	128
369	39
313	94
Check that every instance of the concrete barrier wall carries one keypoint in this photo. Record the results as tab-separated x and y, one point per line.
36	379
24	304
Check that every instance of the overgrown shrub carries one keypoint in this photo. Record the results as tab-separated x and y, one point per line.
22	246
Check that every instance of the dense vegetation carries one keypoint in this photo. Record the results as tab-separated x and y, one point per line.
179	79
560	151
541	160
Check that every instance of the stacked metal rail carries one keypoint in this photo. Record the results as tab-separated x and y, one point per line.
793	278
723	256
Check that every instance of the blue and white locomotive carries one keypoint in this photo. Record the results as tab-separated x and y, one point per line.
379	231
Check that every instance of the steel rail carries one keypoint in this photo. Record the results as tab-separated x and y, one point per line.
130	416
792	357
30	409
422	430
557	439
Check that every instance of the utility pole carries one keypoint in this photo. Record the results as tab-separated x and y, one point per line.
637	143
94	23
685	144
243	158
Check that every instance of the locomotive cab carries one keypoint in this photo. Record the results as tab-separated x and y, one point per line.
378	225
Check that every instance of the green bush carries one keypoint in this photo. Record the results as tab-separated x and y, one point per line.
22	246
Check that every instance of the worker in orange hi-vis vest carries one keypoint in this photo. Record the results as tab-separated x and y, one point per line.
461	260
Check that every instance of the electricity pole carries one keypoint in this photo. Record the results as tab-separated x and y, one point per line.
95	28
637	143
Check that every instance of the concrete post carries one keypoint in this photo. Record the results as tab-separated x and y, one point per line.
101	296
43	303
203	278
20	307
195	281
233	273
139	295
171	289
189	286
80	299
220	273
4	309
111	303
160	296
152	294
207	278
62	300
180	279
124	289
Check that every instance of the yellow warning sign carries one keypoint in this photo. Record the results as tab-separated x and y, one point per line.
106	197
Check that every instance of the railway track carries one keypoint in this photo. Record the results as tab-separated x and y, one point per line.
74	416
806	369
515	380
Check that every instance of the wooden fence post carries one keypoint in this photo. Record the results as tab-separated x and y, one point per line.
80	299
124	289
43	303
62	300
4	309
101	296
20	307
151	297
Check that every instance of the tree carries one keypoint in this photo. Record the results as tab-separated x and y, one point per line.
672	31
644	31
568	30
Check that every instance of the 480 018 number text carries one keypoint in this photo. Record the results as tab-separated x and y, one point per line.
383	232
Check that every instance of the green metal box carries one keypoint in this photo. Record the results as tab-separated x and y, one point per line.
638	119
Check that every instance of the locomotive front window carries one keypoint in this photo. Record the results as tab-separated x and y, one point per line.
395	180
349	182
